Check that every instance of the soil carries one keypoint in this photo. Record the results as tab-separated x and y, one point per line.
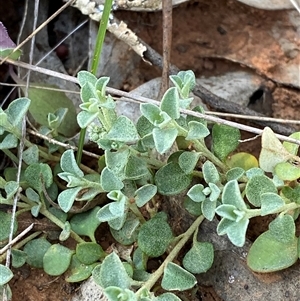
210	37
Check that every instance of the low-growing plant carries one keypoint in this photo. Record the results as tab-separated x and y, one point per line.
164	154
133	173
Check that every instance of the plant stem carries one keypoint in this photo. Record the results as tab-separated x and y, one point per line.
157	274
133	207
95	63
10	155
209	155
284	209
60	224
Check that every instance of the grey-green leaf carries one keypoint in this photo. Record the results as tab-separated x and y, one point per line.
164	138
35	251
267	254
43	103
170	103
188	160
258	185
232	195
111	273
86	223
199	258
210	173
155	236
5	274
68	163
109	181
177	278
270	203
57	260
225	140
145	194
123	130
5	219
197	130
67	197
171	179
283	228
17	110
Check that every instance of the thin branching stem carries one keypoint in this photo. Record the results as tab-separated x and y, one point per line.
158	273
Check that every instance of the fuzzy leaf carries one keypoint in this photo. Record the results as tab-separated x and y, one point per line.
136	168
66	232
188	160
292	148
9	141
111	273
155	236
144	126
43	103
197	130
199	258
5	219
270	203
208	209
113	211
57	260
68	163
139	259
152	113
192	207
67	197
109	181
227	211
236	231
79	271
114	293
18	258
164	138
267	254
5	273
171	179
287	171
167	297
123	130
89	252
116	161
17	109
85	118
35	251
38	175
234	173
31	155
177	278
225	139
231	195
86	77
256	186
170	103
283	228
196	193
127	235
210	173
145	194
86	223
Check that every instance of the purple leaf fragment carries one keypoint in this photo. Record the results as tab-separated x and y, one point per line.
5	40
